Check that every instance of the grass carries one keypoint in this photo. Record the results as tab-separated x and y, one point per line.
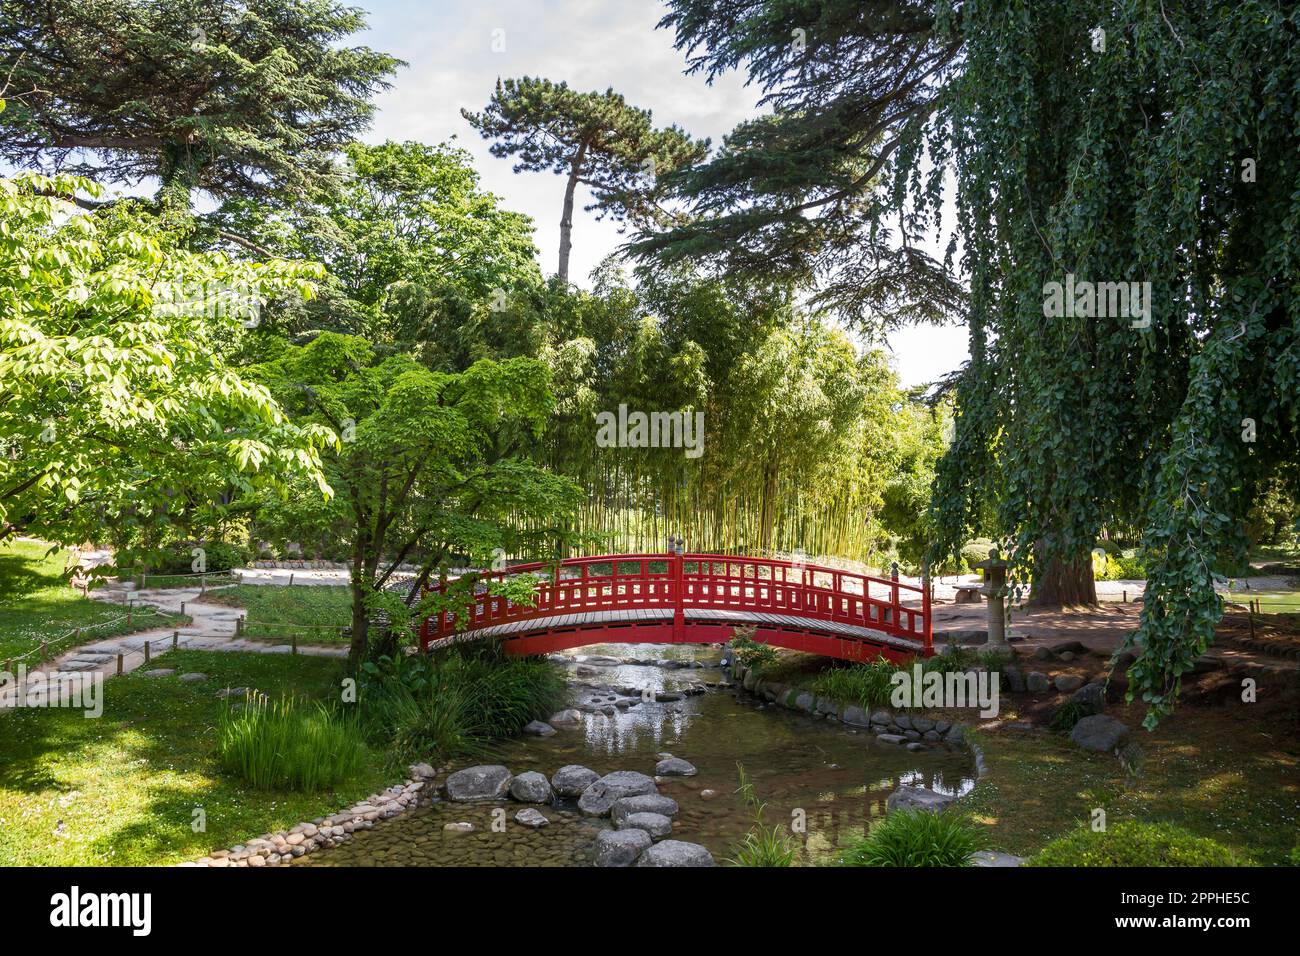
459	704
1230	774
1135	844
915	838
1270	602
290	744
1214	772
763	845
316	612
123	789
37	604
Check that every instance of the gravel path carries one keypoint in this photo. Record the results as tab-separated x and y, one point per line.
212	629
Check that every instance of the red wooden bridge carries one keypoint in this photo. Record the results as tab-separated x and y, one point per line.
697	599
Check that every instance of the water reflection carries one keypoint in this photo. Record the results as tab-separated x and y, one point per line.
835	777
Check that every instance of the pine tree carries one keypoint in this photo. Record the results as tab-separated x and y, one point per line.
229	98
595	139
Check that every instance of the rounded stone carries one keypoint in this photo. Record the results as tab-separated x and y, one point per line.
531	787
675	853
601	795
490	782
620	847
570	781
645	803
674	767
655	824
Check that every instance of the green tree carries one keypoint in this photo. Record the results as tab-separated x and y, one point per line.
231	98
419	256
117	407
1118	144
595	139
432	466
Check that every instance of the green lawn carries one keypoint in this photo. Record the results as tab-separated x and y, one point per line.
122	789
37	605
1227	779
275	612
1270	602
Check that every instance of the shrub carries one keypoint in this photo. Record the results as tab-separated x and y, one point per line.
459	704
915	838
1121	567
290	744
1067	715
748	651
973	552
1133	843
867	685
763	845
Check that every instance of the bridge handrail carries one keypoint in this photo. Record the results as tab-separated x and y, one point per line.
678	589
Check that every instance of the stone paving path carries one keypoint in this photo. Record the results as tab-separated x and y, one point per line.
212	628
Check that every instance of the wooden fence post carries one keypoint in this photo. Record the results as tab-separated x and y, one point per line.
120	655
146	652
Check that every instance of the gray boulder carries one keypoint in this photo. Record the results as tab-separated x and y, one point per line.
891	738
1100	733
620	847
918	798
479	783
655	824
1015	680
531	787
674	767
1091	697
855	716
1068	683
805	702
569	717
1036	682
193	678
882	718
570	781
645	803
922	724
538	728
600	796
675	853
532	818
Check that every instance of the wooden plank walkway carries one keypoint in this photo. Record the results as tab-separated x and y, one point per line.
700	615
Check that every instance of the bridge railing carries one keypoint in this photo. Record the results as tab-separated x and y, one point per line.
683	582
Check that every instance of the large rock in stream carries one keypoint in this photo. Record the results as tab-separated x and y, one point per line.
531	787
646	803
620	847
600	797
570	781
674	853
491	782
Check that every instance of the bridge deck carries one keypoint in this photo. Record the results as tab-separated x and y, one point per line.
697	615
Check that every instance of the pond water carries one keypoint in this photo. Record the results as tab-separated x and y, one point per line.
834	777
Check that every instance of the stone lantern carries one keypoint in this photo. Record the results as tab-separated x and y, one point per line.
995	590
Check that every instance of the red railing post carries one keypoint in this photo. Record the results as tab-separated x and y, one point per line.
676	563
896	616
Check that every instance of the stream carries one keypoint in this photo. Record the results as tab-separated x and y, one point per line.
835	777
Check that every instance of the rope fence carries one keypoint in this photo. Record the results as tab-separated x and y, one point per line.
52	647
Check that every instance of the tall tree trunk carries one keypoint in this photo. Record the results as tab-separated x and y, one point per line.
566	220
1059	583
357	650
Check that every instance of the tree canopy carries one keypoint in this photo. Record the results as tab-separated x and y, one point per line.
231	98
596	139
117	405
1130	143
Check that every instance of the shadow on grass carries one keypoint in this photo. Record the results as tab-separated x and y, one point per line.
124	788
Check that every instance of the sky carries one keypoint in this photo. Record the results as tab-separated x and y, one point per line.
456	50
